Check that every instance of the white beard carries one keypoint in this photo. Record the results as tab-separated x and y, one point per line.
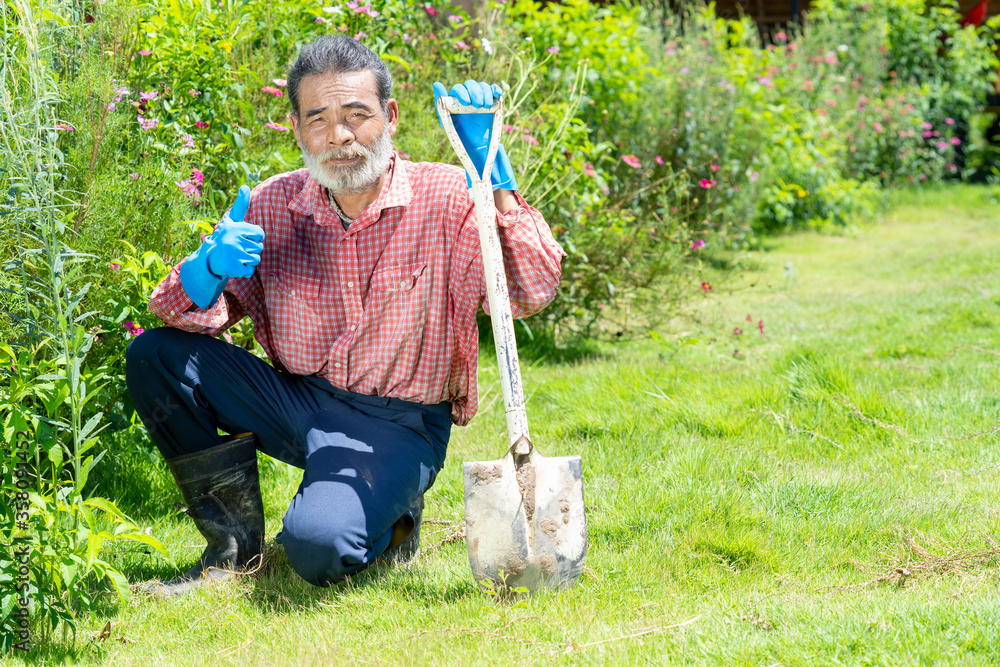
355	178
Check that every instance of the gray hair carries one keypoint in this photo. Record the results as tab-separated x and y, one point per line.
336	54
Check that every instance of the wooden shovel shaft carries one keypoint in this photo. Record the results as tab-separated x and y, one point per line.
496	278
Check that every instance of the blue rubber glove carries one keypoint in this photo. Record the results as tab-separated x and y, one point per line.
474	129
232	251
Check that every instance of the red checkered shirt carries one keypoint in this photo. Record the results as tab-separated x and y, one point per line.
388	307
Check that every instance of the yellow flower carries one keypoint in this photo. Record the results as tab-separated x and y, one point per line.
226	46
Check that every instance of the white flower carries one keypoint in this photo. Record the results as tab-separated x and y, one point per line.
842	48
333	10
487	47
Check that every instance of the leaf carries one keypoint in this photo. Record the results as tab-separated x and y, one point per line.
89	426
118	582
107	506
149	541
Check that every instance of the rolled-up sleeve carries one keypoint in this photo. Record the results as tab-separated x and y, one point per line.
531	256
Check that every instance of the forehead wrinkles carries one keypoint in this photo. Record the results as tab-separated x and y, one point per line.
338	90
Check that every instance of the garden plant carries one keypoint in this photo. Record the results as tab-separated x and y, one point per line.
671	153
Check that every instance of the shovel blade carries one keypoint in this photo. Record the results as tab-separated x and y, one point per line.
525	525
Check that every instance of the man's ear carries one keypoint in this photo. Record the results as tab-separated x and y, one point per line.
392	116
294	120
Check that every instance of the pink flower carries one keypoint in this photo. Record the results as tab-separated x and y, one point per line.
780	36
926	135
360	10
697	244
145	52
589	170
147	124
737	331
707	183
115	267
706	287
632	161
760	325
274	91
877	126
321	19
192	91
455	19
280	83
955	141
201	124
658	160
431	11
133	328
187	141
754	175
352	4
191	185
462	46
750	318
553	49
148	97
134	176
111	106
65	127
830	102
949	121
227	337
122	91
942	145
359	36
275	126
714	167
530	139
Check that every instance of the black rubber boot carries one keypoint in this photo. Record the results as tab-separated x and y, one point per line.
221	489
405	542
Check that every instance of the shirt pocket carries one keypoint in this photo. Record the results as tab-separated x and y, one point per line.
297	330
398	298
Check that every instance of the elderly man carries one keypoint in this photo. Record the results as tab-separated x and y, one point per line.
362	276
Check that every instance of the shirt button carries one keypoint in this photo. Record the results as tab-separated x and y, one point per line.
336	364
292	292
173	313
402	284
350	283
354	327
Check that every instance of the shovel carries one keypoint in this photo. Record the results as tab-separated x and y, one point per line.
525	521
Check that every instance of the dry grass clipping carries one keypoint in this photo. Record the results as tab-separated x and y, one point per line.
936	559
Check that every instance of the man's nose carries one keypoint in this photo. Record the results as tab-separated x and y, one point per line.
340	135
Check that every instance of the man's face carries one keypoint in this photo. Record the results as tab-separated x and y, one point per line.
344	134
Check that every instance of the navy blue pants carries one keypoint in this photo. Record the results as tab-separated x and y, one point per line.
365	459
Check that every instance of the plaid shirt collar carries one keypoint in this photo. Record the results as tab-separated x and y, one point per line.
396	191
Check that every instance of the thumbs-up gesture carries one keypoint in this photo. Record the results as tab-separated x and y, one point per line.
232	251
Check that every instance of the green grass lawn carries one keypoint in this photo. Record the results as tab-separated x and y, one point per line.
824	492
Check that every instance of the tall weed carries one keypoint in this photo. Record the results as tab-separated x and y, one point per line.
50	427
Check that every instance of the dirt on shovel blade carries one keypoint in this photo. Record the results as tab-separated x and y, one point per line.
526	520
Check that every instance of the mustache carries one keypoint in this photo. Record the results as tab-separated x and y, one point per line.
345	153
